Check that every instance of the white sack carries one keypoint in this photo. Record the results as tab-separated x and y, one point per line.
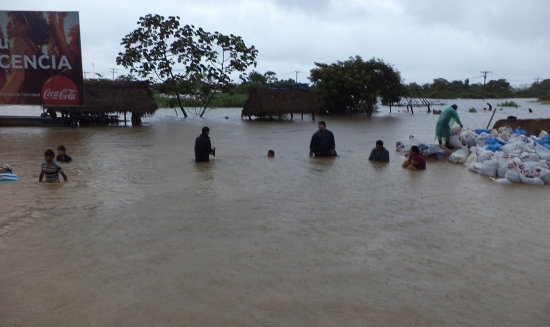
489	168
459	156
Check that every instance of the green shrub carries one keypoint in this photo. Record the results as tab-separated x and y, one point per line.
508	104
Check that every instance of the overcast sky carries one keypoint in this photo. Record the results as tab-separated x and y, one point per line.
423	39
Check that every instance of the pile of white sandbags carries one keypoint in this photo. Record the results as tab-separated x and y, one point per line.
507	156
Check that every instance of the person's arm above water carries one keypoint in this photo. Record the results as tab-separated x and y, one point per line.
456	118
207	147
372	153
64	176
332	144
312	144
212	149
197	149
385	156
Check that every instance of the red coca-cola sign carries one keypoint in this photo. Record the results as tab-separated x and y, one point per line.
60	91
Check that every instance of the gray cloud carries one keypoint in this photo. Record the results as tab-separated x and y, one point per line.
423	39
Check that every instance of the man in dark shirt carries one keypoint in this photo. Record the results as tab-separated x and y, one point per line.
322	142
203	148
62	155
379	153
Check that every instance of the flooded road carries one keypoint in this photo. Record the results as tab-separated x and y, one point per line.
143	236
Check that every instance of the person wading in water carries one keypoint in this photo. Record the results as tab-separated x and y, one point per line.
322	142
203	147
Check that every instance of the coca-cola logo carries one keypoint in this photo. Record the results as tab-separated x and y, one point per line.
60	90
65	94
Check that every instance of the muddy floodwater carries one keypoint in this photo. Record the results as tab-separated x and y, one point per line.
141	235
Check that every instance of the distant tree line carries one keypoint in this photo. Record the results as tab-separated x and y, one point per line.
256	79
540	90
194	68
443	89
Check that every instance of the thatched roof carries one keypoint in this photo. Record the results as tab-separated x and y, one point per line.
105	96
280	100
531	126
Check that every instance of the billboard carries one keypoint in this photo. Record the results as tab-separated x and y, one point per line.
40	58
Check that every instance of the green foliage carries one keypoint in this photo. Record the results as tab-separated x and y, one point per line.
219	100
228	100
472	110
256	79
494	89
354	85
541	90
498	89
508	104
190	60
126	78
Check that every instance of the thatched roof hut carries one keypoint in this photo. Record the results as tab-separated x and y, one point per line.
105	96
531	126
269	101
102	97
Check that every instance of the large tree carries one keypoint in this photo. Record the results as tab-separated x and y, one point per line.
498	89
192	61
354	85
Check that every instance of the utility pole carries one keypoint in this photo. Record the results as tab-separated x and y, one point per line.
297	71
113	70
485	72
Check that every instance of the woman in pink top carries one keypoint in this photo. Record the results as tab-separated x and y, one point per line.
416	161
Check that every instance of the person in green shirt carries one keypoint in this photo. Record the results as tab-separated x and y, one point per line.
443	127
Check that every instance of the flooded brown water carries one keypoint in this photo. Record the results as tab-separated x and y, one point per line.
143	236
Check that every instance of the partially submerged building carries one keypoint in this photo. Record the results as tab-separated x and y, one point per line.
105	100
269	102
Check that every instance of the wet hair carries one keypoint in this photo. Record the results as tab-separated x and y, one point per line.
454	106
415	149
379	142
61	148
38	27
49	153
270	152
322	122
205	129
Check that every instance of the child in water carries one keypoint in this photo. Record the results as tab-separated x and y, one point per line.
62	155
51	169
271	154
